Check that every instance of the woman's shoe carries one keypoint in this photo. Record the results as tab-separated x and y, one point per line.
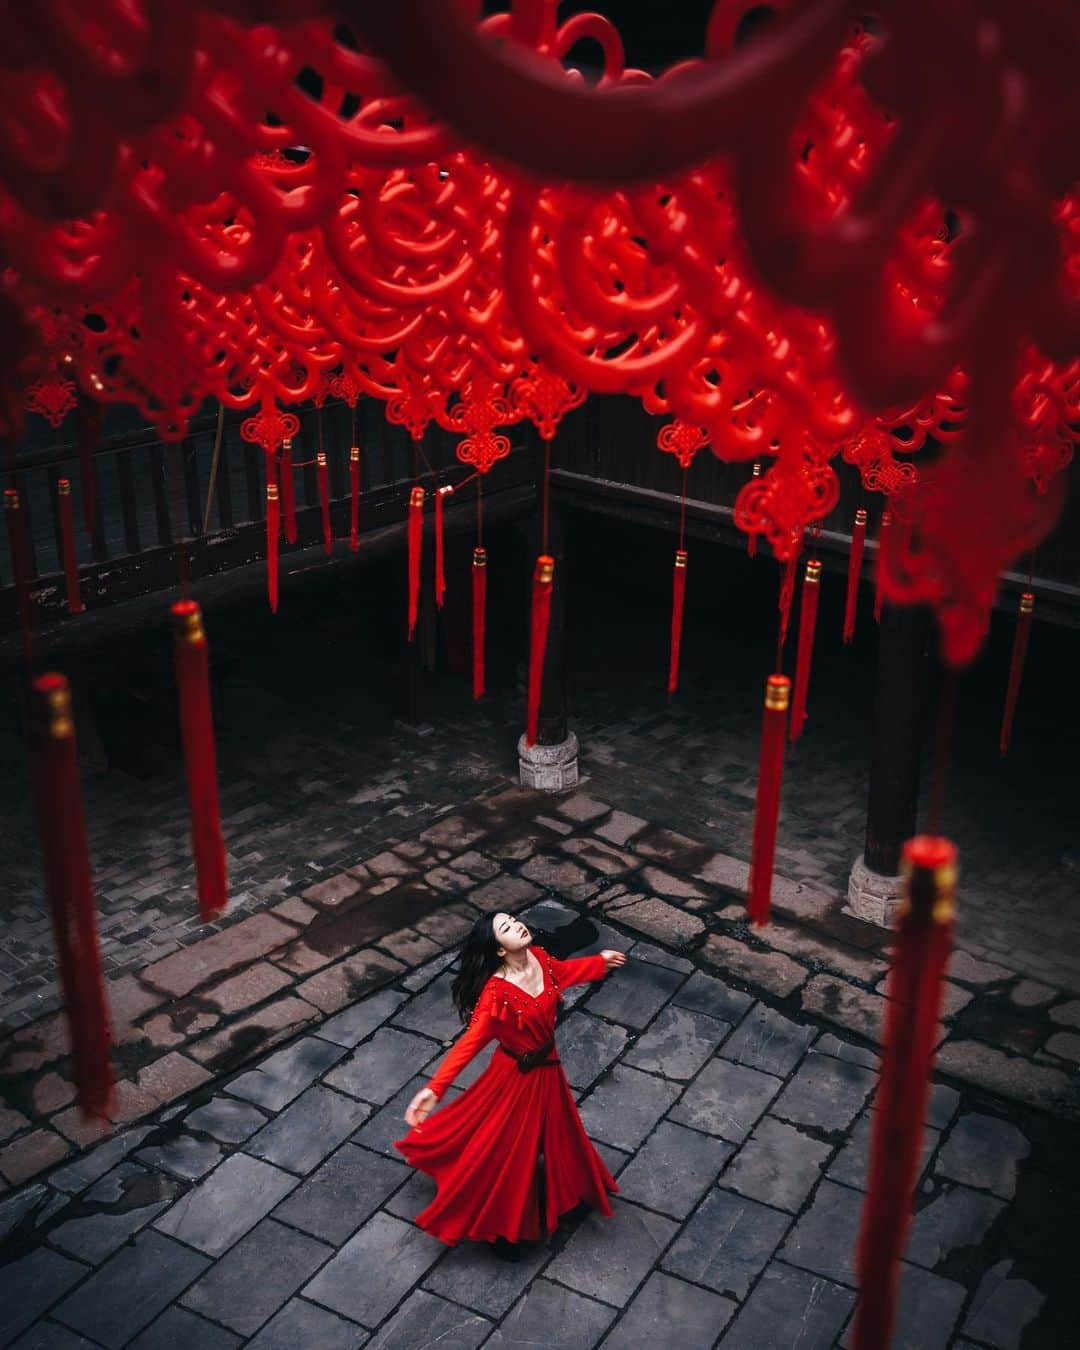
506	1250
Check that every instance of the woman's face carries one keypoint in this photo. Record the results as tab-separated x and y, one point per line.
510	933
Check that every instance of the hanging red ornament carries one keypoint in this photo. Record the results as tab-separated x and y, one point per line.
851	604
67	541
479	618
678	598
787	594
541	617
767	808
440	565
288	491
416	539
886	522
915	989
1016	668
273	528
811	593
62	826
200	759
751	538
16	527
354	498
324	499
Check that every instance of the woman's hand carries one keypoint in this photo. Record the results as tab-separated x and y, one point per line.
613	959
420	1108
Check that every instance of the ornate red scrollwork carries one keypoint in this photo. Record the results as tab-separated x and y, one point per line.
269	427
682	440
479	413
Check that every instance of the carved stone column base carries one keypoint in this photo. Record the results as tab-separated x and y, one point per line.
550	768
873	897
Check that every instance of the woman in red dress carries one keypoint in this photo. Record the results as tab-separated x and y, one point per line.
483	1150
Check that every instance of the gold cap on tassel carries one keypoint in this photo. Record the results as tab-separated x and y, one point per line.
680	557
416	497
354	454
860	516
188	621
928	866
545	569
479	557
271	492
11	499
777	693
320	458
57	722
813	572
1027	603
63	487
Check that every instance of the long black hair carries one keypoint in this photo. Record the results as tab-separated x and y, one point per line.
480	957
479	961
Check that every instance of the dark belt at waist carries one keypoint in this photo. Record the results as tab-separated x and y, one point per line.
532	1059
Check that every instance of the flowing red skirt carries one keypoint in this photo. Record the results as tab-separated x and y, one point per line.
482	1151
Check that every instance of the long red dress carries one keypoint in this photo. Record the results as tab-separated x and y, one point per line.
482	1149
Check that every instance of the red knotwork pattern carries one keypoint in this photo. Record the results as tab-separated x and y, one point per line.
479	414
269	427
545	398
52	398
682	440
754	244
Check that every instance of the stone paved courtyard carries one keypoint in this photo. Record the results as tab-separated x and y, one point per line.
725	1074
270	1210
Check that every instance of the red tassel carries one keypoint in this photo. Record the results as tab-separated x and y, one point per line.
91	417
767	810
324	499
811	593
886	521
440	569
62	825
200	759
16	526
67	540
273	526
354	498
541	617
479	618
751	539
858	540
916	983
416	540
678	599
288	491
1016	669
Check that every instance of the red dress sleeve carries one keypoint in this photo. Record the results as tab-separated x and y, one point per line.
578	970
480	1032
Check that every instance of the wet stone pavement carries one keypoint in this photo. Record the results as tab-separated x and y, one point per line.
269	1208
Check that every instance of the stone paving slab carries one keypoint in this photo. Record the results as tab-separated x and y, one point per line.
735	1225
229	995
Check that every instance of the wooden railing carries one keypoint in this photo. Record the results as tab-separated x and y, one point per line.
607	459
151	497
154	510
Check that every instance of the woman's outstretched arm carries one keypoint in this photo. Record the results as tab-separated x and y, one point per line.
580	969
